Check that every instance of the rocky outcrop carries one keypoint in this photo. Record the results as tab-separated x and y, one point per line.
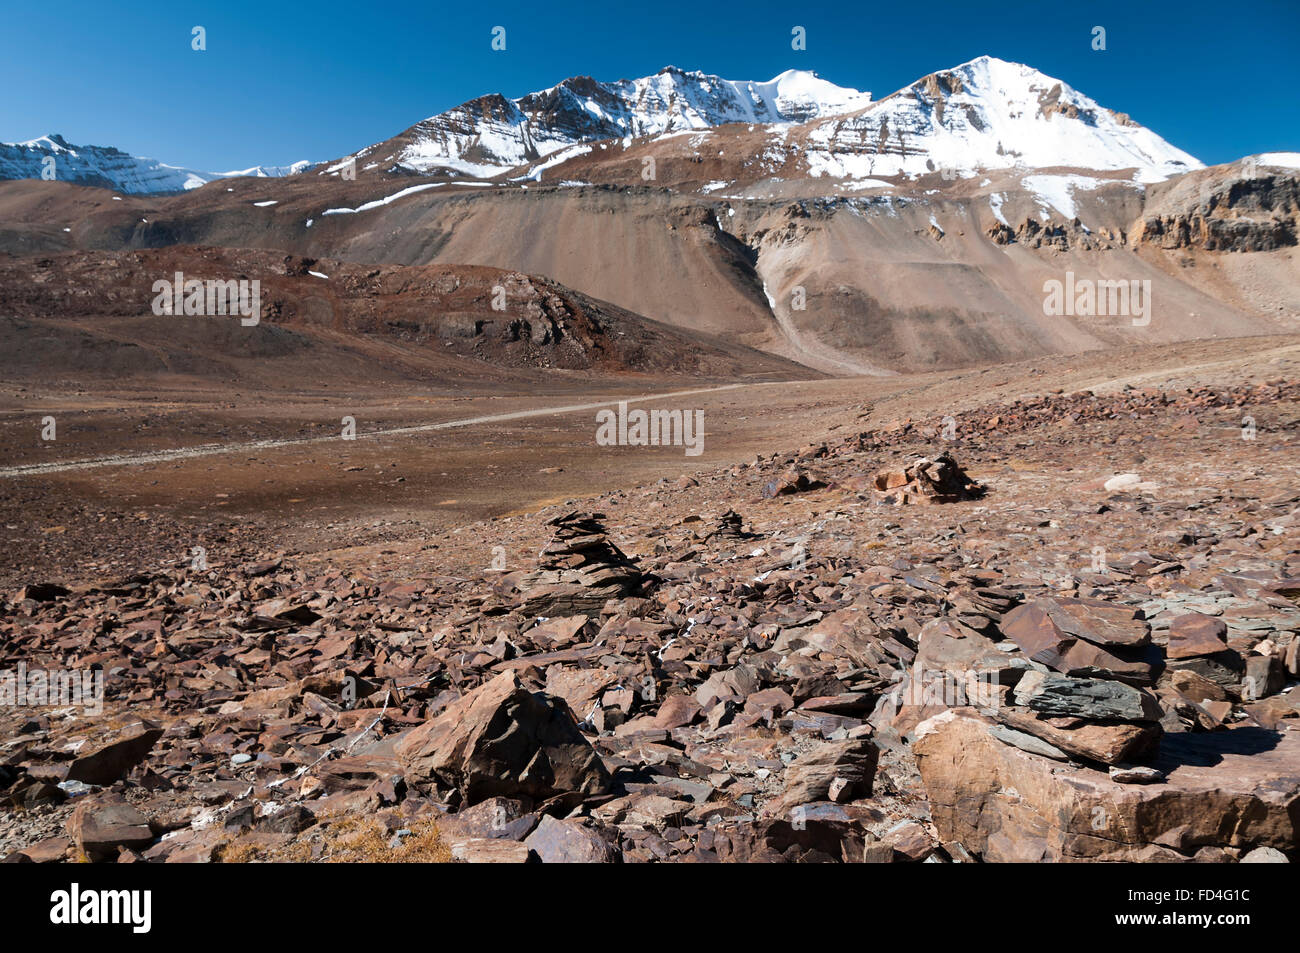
1062	236
1223	795
1241	207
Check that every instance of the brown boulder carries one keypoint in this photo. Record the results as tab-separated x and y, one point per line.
496	818
945	645
502	739
1109	743
676	712
849	767
817	833
569	842
1236	789
48	851
108	758
1099	622
1054	635
100	828
1194	634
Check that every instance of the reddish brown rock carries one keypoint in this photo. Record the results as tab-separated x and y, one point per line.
497	817
910	840
850	765
676	711
48	851
1050	635
941	480
100	828
1108	743
1099	622
1194	634
105	759
792	481
569	842
1237	789
502	739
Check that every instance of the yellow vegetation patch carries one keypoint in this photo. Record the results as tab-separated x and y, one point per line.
350	840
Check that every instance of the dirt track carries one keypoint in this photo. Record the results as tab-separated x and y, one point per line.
449	462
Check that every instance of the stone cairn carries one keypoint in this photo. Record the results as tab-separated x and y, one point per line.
941	480
580	569
728	526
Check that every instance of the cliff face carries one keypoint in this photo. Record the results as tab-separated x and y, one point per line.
1239	207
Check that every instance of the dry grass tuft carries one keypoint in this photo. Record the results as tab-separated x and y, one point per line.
348	840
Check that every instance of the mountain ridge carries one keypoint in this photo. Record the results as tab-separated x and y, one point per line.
110	167
986	113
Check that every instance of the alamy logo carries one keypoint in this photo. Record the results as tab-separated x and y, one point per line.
1086	297
38	688
190	296
74	906
654	428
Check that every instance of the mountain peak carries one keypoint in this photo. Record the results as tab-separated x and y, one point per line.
989	113
471	140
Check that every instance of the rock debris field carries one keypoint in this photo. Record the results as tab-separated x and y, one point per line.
1059	628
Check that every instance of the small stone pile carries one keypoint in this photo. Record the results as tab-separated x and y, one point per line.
940	480
728	526
580	569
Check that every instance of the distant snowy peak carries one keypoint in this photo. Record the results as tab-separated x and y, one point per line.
799	95
989	114
53	157
492	134
266	171
673	100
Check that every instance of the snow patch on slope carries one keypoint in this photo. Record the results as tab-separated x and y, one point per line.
1057	191
1283	160
379	203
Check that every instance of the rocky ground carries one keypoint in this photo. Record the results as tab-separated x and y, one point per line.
1056	627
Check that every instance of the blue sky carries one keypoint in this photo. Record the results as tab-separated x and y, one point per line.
286	81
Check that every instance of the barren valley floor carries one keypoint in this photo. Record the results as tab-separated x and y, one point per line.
753	654
323	493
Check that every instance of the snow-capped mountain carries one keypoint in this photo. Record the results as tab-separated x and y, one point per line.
985	114
492	134
111	168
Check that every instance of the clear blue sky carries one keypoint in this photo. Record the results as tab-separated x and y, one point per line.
286	81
